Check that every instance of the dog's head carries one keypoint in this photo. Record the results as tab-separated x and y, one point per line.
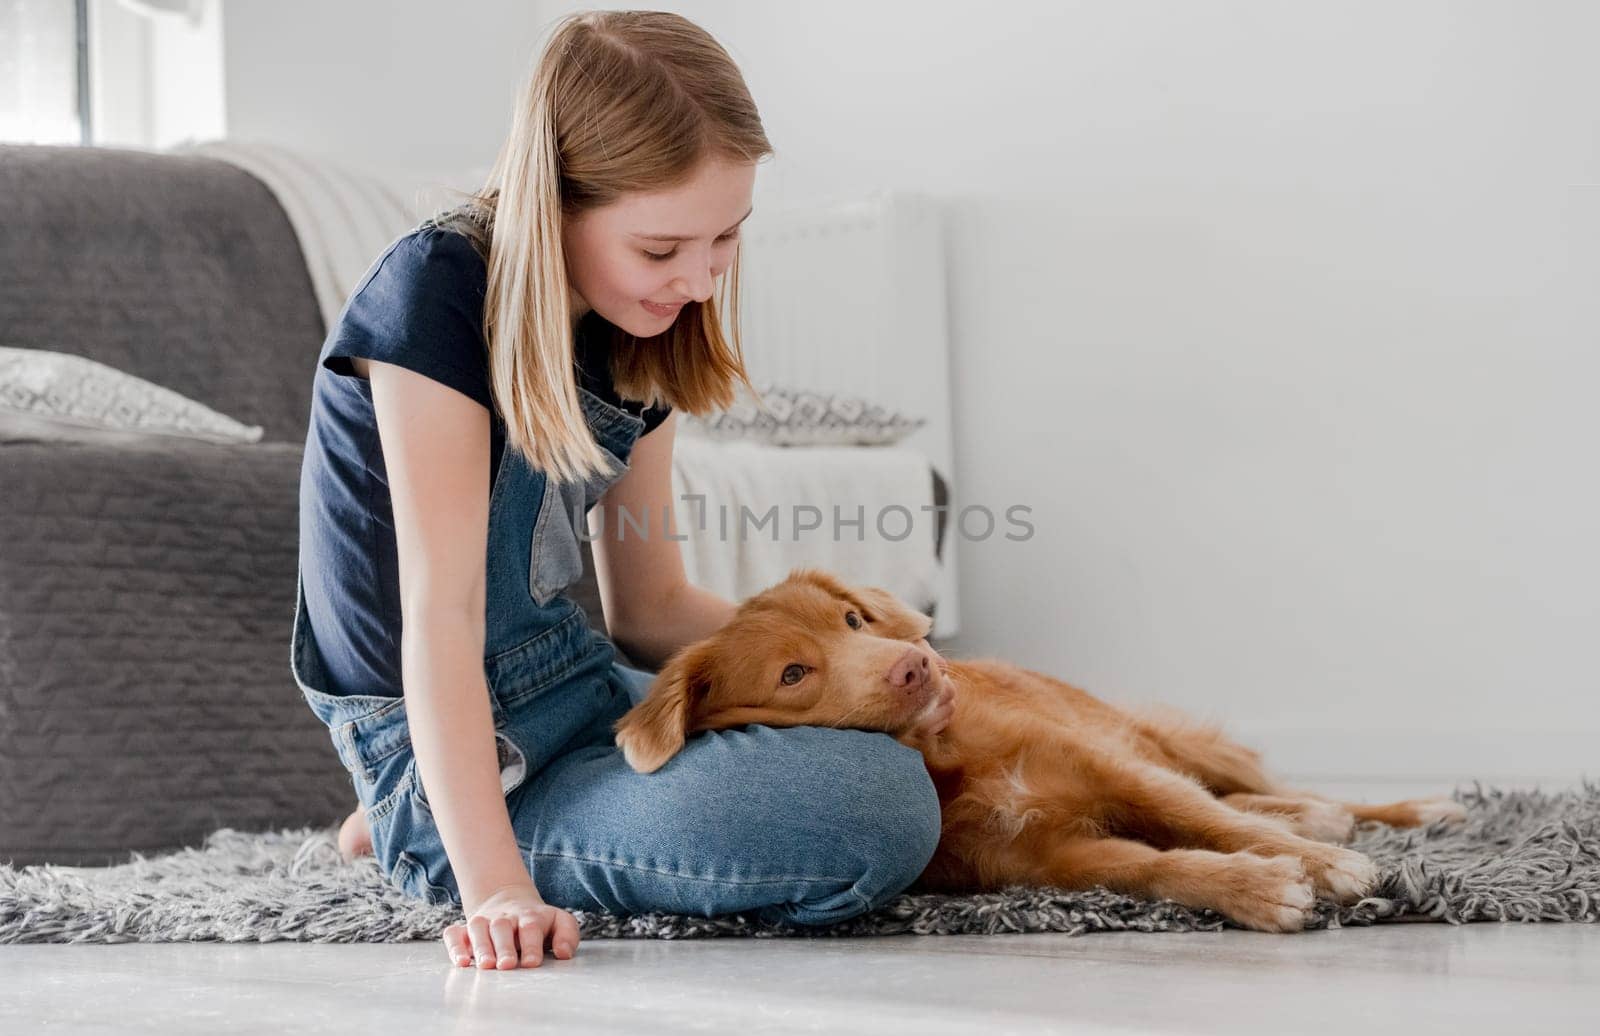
807	651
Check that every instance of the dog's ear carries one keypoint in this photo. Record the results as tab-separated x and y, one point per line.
654	730
890	616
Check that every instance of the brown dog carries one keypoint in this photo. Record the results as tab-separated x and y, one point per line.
1039	782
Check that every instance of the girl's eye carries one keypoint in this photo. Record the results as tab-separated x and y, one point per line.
852	620
793	674
661	257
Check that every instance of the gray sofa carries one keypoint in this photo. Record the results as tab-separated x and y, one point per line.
147	593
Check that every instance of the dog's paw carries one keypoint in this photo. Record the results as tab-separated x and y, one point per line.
1270	894
1325	822
1344	875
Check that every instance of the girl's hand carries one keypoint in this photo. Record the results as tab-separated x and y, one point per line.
509	929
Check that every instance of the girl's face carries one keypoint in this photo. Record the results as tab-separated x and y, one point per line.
665	247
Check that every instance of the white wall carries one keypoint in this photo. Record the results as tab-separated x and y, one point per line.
410	85
1281	317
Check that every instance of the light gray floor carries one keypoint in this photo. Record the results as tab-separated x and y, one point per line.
1414	978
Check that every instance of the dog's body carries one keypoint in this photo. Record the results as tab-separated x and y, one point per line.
1039	782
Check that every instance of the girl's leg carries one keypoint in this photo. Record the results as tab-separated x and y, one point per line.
355	836
802	824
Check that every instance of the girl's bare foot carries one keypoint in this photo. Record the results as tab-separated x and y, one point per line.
355	838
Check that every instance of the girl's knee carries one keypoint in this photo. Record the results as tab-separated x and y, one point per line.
805	824
888	799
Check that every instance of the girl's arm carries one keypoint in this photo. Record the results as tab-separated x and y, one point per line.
688	614
651	607
435	444
452	734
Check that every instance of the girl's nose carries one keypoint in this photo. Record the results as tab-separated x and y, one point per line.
697	285
697	288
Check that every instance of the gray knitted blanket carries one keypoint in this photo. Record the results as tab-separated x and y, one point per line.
1520	856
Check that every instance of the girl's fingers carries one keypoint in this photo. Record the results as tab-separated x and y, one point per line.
564	935
501	943
504	934
456	944
482	942
531	933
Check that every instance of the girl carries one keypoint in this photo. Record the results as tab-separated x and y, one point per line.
501	370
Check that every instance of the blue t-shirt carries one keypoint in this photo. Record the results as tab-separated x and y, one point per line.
420	306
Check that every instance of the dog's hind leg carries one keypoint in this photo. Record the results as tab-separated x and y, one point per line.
1317	819
1236	775
1408	813
1333	820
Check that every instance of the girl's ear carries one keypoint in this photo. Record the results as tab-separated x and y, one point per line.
889	616
653	731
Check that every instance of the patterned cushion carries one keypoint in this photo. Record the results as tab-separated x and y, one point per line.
800	417
57	397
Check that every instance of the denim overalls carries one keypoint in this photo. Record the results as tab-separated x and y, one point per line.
715	830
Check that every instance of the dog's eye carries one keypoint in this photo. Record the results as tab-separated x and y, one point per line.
793	674
852	620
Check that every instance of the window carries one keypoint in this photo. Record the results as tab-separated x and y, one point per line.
122	73
43	72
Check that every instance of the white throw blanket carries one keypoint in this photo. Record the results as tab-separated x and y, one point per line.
344	219
736	556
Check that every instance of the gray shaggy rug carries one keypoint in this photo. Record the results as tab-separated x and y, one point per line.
1520	856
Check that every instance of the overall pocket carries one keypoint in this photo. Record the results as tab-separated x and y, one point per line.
366	729
411	877
557	557
375	734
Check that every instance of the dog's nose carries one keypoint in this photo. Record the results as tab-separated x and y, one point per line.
910	670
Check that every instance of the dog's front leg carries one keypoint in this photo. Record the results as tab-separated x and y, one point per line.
1171	808
1267	893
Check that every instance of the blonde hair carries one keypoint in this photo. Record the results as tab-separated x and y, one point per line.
619	101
